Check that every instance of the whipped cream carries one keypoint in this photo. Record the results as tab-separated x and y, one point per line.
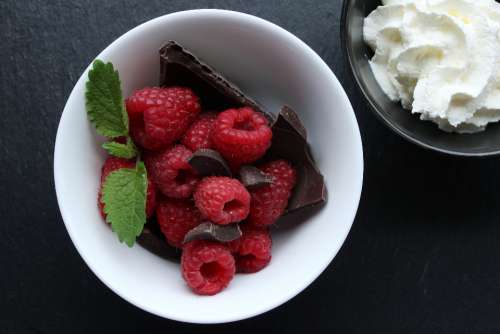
440	59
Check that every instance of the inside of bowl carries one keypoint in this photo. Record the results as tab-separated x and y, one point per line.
392	114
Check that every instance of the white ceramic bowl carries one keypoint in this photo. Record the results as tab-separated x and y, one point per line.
276	68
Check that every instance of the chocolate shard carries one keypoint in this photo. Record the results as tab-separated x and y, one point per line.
288	118
154	241
290	143
211	231
208	162
254	178
179	67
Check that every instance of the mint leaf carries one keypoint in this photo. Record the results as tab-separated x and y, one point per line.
104	101
126	151
124	198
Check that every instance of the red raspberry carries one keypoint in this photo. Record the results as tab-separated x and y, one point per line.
145	98
241	135
150	198
269	202
138	134
222	200
148	97
207	267
198	135
252	251
172	173
112	164
159	116
166	124
176	218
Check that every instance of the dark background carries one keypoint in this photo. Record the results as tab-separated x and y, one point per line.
422	256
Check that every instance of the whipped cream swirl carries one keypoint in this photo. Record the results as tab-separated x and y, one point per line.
440	59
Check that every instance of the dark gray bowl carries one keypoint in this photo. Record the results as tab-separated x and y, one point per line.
409	126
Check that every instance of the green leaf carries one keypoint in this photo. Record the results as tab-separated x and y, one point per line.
124	198
104	101
126	151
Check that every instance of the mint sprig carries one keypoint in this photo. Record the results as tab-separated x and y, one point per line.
106	110
104	101
126	151
124	198
124	190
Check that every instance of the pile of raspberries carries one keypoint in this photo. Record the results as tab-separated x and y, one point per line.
168	125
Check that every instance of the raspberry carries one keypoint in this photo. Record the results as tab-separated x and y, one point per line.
176	218
159	116
207	267
150	198
166	124
145	98
148	97
241	135
172	173
138	134
252	251
222	200
269	202
112	164
198	135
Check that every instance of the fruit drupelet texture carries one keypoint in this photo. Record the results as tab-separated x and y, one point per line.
176	218
241	136
207	266
198	136
252	251
171	171
222	200
269	202
160	116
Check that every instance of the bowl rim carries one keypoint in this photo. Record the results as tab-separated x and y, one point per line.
351	214
346	40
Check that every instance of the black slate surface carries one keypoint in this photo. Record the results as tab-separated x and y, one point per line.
422	256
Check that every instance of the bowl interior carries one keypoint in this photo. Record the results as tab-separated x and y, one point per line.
392	114
269	64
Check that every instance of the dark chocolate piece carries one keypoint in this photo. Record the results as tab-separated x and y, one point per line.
181	68
254	178
290	143
208	162
154	241
211	231
290	119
